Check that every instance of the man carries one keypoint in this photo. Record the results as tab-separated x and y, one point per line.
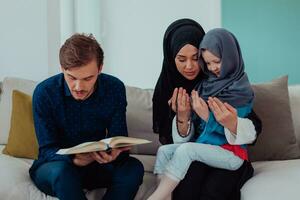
82	104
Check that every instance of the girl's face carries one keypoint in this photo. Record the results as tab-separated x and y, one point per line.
186	62
213	62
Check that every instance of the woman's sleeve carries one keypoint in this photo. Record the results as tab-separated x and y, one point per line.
177	138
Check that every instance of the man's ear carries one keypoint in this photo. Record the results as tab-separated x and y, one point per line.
62	69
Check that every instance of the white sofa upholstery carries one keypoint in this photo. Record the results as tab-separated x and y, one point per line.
274	180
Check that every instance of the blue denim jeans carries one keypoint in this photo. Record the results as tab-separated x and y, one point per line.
174	160
66	181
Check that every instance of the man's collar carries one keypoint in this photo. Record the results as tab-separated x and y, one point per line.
99	87
66	89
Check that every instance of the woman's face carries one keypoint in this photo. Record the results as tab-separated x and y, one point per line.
213	63
186	62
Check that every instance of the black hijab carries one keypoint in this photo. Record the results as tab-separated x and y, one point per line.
178	34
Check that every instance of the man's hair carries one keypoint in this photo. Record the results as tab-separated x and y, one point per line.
79	50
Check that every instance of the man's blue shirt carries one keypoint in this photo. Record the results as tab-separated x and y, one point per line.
61	121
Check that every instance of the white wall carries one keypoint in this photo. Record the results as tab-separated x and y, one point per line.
130	32
23	39
54	30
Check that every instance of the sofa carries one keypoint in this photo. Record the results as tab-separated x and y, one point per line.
274	179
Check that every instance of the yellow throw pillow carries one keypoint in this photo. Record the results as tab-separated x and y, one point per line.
22	140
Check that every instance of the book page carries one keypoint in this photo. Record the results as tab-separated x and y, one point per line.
84	148
122	141
106	140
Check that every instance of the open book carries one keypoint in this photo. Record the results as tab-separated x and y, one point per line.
103	145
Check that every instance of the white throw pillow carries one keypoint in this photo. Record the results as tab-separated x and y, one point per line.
10	84
294	91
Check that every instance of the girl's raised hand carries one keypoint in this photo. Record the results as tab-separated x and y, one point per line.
200	106
224	113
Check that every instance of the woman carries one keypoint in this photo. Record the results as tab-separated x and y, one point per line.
180	74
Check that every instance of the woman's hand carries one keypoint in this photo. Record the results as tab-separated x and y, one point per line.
172	101
183	106
224	113
181	98
200	106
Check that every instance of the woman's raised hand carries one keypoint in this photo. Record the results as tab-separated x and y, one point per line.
200	106
224	113
172	101
181	99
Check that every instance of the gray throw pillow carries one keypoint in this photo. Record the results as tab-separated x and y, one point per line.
277	140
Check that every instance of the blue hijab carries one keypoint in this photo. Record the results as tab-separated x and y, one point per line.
232	86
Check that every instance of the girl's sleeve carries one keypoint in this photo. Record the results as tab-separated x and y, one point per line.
246	133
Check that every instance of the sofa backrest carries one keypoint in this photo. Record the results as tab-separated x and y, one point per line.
139	119
0	89
139	112
9	84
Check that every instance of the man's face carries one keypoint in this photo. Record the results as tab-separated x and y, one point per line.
81	80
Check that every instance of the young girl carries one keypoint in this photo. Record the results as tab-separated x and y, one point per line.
221	60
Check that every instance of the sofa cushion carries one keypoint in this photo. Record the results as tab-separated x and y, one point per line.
22	140
277	140
13	172
139	119
147	160
294	91
16	183
10	84
274	180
